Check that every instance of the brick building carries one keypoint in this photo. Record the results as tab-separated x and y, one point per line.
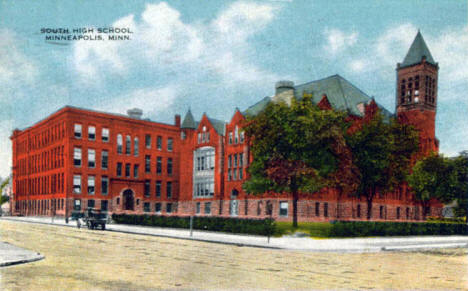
79	158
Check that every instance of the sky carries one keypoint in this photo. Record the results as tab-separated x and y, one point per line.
213	56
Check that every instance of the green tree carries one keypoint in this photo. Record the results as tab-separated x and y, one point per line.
382	152
298	149
460	165
4	198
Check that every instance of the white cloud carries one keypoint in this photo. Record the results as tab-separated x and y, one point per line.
162	42
338	41
151	100
391	47
6	128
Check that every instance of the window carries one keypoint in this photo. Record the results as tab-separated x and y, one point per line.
242	137
199	137
146	207
128	144
127	170
240	173
91	185
104	160
381	211
136	147
104	205
230	138
170	144
235	160
157	207
169	189
236	135
158	188
159	165
230	161
198	207
325	209
259	207
147	188
229	175
78	129
119	169
234	176
317	208
119	143
104	185
398	213
407	213
159	143
148	141
77	204
147	164
77	157
359	210
91	132
241	160
91	158
105	135
207	207
183	135
283	209
135	171
76	183
168	207
169	166
91	203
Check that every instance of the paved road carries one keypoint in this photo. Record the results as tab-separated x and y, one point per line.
359	245
81	259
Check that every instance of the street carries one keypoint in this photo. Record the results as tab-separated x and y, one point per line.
80	259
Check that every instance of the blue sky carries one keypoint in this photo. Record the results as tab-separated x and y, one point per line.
219	55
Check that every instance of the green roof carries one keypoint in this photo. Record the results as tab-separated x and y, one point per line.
417	50
341	94
189	122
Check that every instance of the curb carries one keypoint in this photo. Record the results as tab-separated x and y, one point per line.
11	263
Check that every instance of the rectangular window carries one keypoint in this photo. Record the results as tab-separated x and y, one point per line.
240	173
169	189
104	185
119	170
317	208
398	213
78	129
158	188
235	160
91	132
168	207
198	207
148	141
119	144
104	160
229	175
128	144
230	138
105	135
234	177
104	205
359	210
146	207
283	209
77	157
381	212
325	209
136	147
159	143
207	207
76	183
91	203
91	185
170	144
169	166
135	171
127	170
157	207
147	164
241	137
91	158
77	205
241	160
230	161
147	188
159	165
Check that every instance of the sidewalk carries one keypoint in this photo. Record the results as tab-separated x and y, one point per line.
13	255
358	245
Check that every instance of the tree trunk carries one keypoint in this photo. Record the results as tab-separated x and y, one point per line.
295	194
370	198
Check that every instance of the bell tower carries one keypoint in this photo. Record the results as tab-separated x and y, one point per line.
416	93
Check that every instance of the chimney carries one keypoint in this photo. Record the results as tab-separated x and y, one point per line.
177	120
135	113
284	91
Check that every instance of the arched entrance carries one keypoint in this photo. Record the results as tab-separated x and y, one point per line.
128	200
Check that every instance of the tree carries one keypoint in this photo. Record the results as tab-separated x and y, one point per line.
382	152
460	165
4	198
298	148
437	177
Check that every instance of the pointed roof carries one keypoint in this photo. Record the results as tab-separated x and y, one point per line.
417	50
218	125
189	122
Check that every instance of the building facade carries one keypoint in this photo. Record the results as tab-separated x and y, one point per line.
78	158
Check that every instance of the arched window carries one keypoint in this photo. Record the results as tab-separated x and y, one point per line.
128	144
135	146
119	143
